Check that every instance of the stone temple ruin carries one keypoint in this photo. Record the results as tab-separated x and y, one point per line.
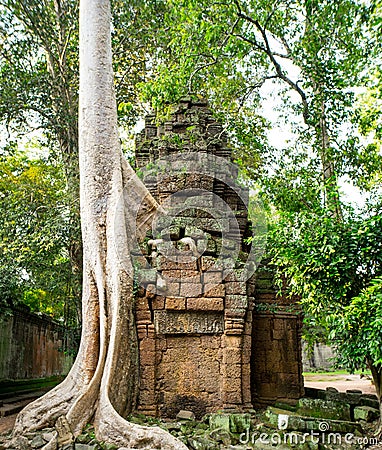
210	338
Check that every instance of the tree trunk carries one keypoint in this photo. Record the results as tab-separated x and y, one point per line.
332	195
376	372
103	383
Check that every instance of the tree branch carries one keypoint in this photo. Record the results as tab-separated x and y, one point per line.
215	60
272	56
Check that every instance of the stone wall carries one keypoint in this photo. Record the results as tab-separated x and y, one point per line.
31	347
320	357
276	344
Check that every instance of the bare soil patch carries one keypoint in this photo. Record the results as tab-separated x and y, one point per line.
342	382
6	423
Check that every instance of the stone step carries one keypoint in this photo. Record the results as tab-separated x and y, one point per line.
5	395
18	397
13	408
290	421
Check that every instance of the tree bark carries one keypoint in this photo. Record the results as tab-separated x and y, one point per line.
376	372
103	382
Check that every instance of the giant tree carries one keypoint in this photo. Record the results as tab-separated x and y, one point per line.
39	81
104	379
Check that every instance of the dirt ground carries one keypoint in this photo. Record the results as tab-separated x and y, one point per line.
342	382
6	423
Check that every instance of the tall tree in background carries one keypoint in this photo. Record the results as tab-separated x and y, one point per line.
103	381
38	79
313	53
35	234
39	83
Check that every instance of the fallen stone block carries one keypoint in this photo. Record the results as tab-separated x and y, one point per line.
239	423
369	400
366	413
293	422
219	421
323	409
185	415
202	443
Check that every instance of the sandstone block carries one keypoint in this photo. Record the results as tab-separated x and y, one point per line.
365	413
142	304
219	421
143	316
324	409
236	288
158	302
150	331
205	304
171	289
232	356
150	292
240	423
176	303
185	415
190	289
169	274
147	276
232	371
166	263
142	331
147	345
214	290
235	315
236	301
192	275
233	397
213	277
208	262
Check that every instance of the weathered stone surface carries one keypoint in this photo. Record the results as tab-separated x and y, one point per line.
239	423
188	322
324	409
198	312
236	302
205	304
219	421
369	400
295	422
366	413
64	432
20	443
177	303
147	276
190	289
67	447
214	290
37	442
31	348
185	415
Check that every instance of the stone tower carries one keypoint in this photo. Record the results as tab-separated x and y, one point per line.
197	296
